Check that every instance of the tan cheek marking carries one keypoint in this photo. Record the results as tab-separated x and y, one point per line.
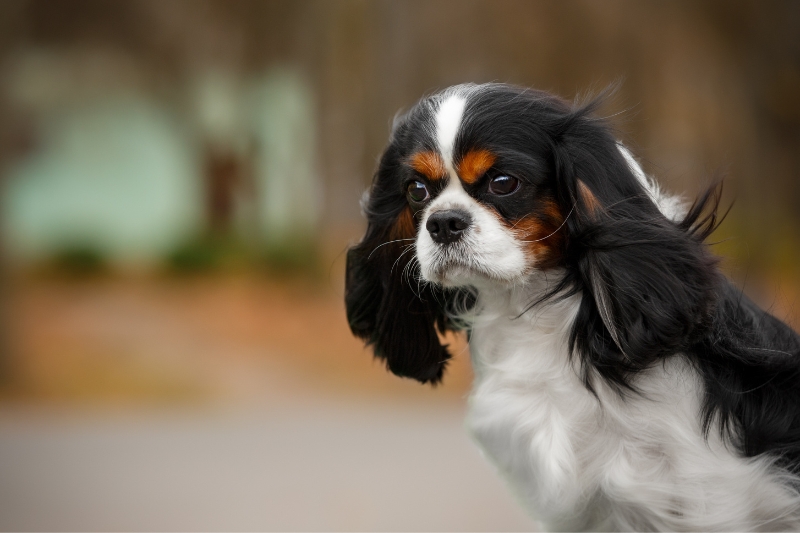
591	202
474	165
403	227
429	164
541	235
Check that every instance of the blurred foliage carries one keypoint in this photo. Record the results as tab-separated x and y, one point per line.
79	260
295	256
211	253
200	254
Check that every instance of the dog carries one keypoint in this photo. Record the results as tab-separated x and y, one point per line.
621	381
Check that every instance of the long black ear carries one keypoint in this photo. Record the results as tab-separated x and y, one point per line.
387	305
647	282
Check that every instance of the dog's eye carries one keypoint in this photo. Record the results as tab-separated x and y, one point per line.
503	185
417	192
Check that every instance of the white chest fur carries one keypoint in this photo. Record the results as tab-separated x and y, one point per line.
577	461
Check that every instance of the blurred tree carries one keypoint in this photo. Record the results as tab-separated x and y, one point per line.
16	138
224	172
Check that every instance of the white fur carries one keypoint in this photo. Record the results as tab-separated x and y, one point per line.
448	120
577	461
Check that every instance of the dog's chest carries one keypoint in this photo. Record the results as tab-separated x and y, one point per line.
530	412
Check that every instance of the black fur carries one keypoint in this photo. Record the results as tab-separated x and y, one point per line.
750	363
650	288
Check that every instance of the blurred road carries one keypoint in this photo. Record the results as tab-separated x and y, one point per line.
305	465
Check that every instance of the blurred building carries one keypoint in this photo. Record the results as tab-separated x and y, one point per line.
118	171
155	120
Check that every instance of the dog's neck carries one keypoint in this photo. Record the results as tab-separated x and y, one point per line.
525	298
508	320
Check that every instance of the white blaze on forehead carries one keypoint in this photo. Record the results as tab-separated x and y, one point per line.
448	121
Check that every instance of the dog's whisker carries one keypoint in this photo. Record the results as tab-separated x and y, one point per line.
408	249
384	244
558	228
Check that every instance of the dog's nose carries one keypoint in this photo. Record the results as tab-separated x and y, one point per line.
448	226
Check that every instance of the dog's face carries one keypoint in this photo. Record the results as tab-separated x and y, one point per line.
481	187
483	195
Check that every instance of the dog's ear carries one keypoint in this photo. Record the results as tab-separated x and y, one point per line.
646	281
386	304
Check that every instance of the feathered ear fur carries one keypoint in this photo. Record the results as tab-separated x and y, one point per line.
647	281
386	306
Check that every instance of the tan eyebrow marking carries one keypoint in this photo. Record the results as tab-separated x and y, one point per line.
474	165
429	164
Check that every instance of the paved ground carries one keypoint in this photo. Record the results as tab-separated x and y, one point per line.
320	465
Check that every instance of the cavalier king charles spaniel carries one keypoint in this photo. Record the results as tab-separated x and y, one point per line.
621	381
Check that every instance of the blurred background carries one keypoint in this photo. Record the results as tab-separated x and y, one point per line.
179	182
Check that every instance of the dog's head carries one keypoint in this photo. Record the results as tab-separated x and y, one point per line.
484	186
